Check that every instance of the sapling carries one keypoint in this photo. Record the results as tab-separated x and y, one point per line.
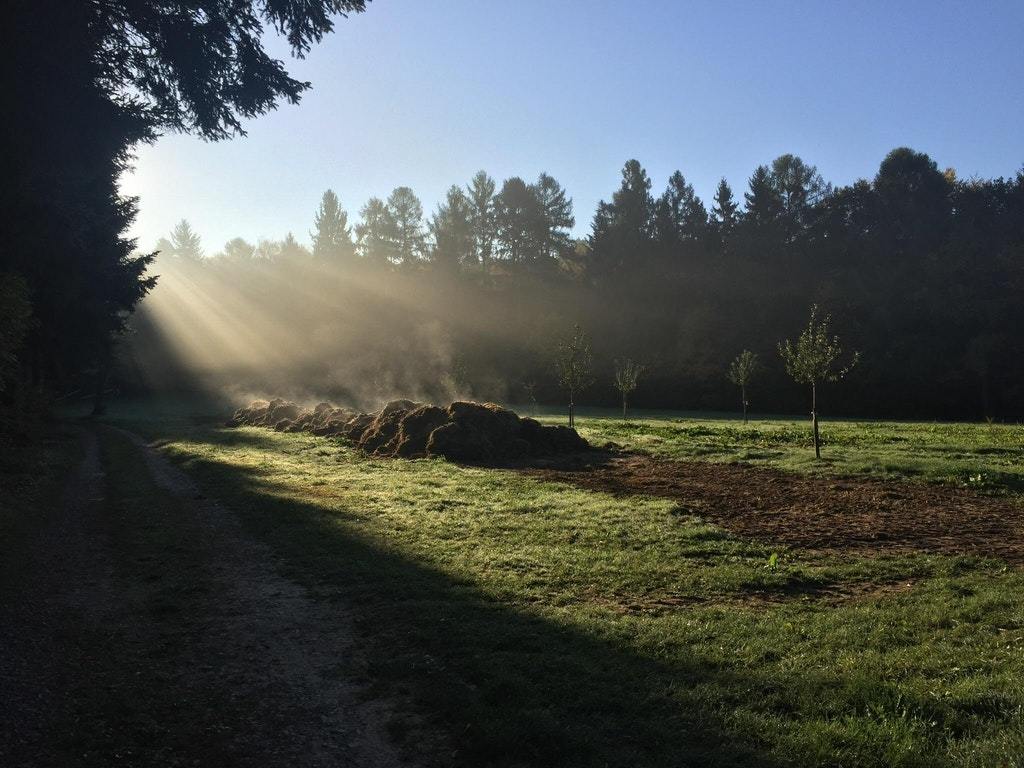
813	359
741	371
573	363
627	376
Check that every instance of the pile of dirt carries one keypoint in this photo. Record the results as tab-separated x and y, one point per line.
464	431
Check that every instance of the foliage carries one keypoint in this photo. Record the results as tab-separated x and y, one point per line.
185	243
627	377
950	454
452	229
812	359
200	65
926	269
125	71
405	220
480	192
742	369
574	366
332	236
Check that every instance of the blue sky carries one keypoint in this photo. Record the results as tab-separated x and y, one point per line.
424	94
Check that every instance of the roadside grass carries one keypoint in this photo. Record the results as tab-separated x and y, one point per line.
541	624
985	457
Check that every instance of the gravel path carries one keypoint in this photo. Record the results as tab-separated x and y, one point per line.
153	631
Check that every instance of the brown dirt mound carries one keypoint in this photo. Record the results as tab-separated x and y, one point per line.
464	431
825	514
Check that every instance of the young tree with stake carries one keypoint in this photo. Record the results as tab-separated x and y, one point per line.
573	363
812	361
627	376
741	371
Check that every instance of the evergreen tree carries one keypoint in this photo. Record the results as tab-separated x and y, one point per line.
291	250
725	212
680	216
239	250
799	188
480	192
763	202
623	229
332	237
555	219
375	232
517	217
126	71
185	243
453	231
405	214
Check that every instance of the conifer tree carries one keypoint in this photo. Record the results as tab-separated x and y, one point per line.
332	236
480	193
185	243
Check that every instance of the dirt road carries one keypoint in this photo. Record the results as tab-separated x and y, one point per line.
144	628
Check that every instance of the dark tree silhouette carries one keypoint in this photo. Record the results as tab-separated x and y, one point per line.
125	70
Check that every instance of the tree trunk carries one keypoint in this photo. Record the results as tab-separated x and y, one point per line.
624	406
743	390
814	420
572	420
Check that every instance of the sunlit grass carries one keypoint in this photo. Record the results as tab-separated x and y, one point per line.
622	631
980	456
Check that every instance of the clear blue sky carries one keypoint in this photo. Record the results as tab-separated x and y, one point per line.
424	94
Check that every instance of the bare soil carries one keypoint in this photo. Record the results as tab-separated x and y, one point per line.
825	514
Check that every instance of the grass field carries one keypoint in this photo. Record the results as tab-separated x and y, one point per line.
537	623
986	457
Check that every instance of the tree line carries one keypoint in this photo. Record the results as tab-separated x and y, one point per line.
922	269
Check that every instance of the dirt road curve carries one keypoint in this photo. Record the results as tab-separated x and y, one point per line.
152	631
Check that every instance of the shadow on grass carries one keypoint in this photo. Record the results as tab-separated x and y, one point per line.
507	686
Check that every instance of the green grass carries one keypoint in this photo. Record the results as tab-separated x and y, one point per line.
542	624
985	457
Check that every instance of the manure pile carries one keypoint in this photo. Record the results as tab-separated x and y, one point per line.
463	431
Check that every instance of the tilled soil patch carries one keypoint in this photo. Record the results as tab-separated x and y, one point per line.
825	514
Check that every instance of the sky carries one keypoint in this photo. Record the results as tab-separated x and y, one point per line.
424	94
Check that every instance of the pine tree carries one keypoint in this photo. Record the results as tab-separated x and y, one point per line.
680	216
763	202
375	232
552	236
725	212
517	212
624	228
332	237
185	243
480	192
406	219
452	229
799	187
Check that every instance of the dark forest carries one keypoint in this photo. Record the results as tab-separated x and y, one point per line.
921	271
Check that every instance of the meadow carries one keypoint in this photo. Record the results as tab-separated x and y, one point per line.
627	630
